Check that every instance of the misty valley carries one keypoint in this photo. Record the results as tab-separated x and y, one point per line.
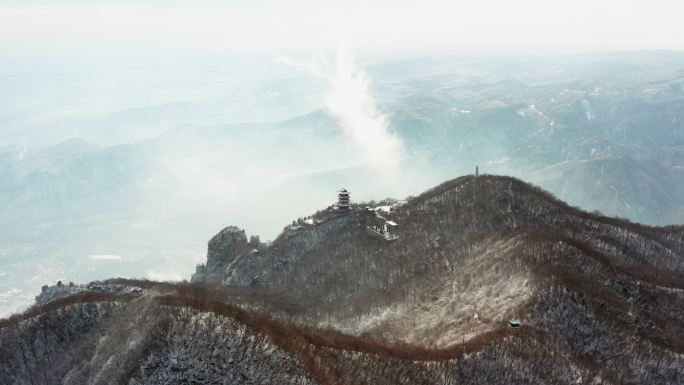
600	132
505	219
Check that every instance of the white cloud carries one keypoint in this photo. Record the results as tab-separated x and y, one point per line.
106	257
350	101
9	294
166	276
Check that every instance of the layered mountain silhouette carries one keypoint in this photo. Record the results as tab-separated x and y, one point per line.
491	280
601	132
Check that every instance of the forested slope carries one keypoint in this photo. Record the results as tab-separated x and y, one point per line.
491	280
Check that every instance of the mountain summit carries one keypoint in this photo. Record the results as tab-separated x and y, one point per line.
485	280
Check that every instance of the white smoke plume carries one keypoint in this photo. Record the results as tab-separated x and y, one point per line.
349	100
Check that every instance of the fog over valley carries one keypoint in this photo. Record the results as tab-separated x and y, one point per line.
146	185
327	193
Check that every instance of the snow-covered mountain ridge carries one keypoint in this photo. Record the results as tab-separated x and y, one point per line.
491	280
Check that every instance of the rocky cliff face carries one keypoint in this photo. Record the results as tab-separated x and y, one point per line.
596	300
232	260
224	249
262	268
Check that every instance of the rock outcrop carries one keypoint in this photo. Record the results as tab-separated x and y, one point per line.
224	248
51	293
260	264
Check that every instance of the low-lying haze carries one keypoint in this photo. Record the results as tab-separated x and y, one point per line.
122	150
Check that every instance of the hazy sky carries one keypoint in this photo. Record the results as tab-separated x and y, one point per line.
381	27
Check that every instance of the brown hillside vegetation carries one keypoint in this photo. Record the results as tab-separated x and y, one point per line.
598	301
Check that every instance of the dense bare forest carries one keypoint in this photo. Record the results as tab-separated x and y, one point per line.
491	280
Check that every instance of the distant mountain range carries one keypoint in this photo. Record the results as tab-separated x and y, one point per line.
491	280
603	132
577	120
